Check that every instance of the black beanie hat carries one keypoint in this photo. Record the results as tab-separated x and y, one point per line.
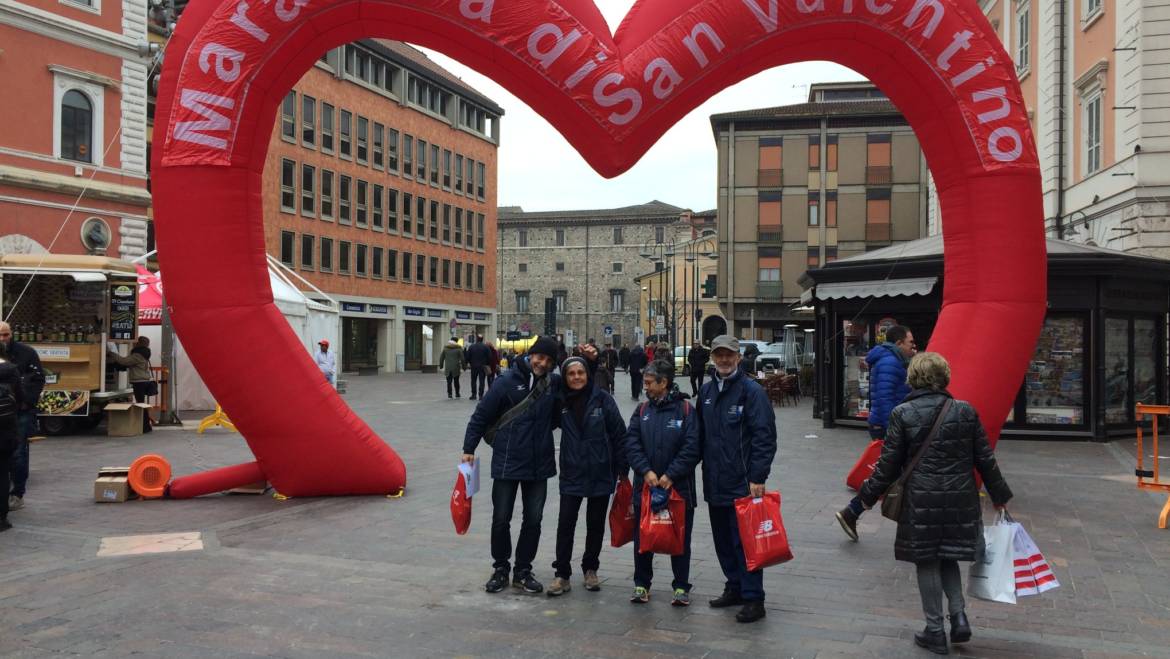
545	346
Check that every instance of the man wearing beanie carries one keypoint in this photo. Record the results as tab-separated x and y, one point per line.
515	418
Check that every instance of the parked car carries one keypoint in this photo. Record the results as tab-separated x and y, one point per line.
680	360
775	355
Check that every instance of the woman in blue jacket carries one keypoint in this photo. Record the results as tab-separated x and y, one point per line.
662	447
592	459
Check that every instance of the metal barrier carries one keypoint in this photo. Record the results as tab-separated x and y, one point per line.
1156	484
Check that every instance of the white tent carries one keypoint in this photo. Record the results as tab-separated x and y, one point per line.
310	320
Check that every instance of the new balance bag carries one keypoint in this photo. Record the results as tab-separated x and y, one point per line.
460	504
865	464
621	515
761	531
662	532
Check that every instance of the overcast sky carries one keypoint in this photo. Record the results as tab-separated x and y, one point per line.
679	170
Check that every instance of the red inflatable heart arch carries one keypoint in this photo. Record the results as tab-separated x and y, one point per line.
229	65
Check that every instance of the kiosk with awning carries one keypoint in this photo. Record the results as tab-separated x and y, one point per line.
1102	349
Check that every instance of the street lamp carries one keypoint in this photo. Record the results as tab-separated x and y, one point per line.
691	253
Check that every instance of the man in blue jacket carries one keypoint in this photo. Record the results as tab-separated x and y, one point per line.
738	436
523	457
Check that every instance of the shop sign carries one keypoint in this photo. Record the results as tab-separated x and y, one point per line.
123	312
380	309
481	316
463	315
434	313
513	336
413	311
353	306
56	352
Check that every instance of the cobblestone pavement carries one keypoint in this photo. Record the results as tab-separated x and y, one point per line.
373	576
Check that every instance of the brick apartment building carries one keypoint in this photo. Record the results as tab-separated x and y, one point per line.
73	127
381	191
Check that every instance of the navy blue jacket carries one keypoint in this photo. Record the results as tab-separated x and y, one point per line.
887	382
523	449
663	437
593	457
738	436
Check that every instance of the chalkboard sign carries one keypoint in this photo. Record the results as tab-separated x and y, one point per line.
123	312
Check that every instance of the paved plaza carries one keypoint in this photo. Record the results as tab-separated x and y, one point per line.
372	576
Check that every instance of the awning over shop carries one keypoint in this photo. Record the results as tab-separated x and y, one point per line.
876	288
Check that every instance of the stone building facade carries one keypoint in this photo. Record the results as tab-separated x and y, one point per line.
586	261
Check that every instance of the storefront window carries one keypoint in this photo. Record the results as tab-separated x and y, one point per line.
1056	376
855	390
1145	361
1117	406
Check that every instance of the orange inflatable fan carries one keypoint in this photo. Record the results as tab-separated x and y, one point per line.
149	475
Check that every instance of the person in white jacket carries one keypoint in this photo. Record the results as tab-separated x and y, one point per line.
327	361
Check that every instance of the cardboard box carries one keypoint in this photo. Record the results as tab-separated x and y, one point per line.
125	419
113	485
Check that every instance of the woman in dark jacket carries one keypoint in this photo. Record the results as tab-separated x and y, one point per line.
140	375
10	403
942	521
592	460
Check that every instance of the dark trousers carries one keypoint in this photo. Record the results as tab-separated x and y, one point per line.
533	494
18	464
10	438
452	377
140	397
680	565
567	527
478	379
636	384
696	380
729	550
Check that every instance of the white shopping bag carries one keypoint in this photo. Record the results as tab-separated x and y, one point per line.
1033	574
470	476
992	576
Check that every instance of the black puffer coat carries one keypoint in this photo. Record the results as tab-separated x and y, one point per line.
941	518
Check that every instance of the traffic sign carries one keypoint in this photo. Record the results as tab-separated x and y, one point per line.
609	330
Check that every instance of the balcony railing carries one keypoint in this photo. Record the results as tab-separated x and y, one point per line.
769	289
879	175
771	178
877	233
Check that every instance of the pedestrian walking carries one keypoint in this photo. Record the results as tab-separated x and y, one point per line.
738	436
453	363
941	520
607	361
327	361
32	383
638	361
592	460
697	364
624	358
11	401
662	447
516	416
479	358
139	373
494	366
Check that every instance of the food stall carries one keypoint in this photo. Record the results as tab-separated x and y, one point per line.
69	309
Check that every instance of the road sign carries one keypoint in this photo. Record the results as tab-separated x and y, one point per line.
609	330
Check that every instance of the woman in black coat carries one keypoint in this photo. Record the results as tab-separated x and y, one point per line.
942	520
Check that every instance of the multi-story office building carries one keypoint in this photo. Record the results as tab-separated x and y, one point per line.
381	191
586	261
1093	74
73	127
803	185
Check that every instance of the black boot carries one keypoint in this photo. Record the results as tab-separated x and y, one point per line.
960	628
848	521
751	612
728	598
4	524
936	642
498	581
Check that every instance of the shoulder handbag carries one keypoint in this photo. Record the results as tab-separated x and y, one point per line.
537	391
896	495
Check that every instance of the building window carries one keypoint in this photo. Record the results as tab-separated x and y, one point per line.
617	301
481	180
407	265
434	224
326	194
618	266
459	226
830	208
360	253
363	139
831	154
407	156
379	137
469	179
447	223
307	244
376	262
814	152
659	235
458	274
420	161
326	255
1092	8
877	159
343	249
814	257
288	186
288	117
420	268
344	199
458	173
523	267
447	272
479	231
469	234
327	128
562	300
308	190
1023	36
427	96
446	169
467	276
1093	125
560	237
346	131
479	277
363	193
814	209
288	243
523	238
521	301
376	214
771	162
392	151
407	213
308	121
560	266
434	164
392	210
877	216
769	264
392	264
618	239
770	227
420	220
434	271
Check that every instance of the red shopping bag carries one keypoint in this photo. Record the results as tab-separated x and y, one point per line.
865	464
761	531
621	515
663	532
460	505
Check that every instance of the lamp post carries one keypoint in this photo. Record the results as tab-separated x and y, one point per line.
691	252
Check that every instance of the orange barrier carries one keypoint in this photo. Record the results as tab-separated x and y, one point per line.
1153	411
149	475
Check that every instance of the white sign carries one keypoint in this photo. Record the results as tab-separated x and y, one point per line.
62	352
570	339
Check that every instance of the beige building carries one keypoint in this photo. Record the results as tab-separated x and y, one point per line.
677	300
803	185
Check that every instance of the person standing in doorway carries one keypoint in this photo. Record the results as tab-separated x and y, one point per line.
479	358
453	364
327	361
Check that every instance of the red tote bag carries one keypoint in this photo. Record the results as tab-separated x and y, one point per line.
663	532
865	464
460	505
761	531
621	515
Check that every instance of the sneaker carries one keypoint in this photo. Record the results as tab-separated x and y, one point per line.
681	598
751	612
592	583
641	595
848	521
524	581
559	587
15	502
728	598
497	582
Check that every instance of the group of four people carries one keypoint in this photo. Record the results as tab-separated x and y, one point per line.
730	428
